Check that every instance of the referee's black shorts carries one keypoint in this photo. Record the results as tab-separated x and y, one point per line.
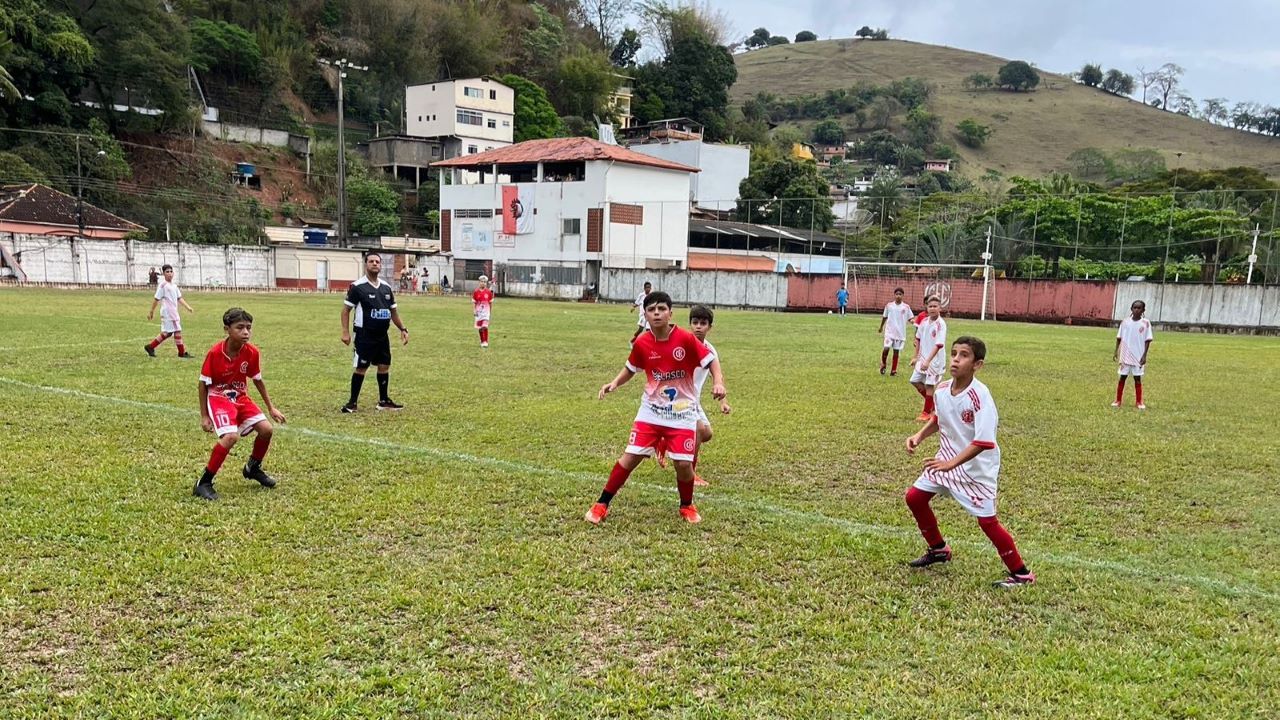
372	350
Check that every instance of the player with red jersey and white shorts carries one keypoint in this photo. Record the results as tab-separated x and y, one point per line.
225	406
930	361
893	323
967	464
1133	341
482	298
669	357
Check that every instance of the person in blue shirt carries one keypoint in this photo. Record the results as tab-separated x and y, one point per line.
842	298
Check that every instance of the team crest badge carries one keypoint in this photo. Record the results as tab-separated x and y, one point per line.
678	354
688	445
244	367
967	416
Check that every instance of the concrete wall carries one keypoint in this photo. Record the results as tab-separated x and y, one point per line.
243	133
723	167
1251	306
664	195
708	287
119	262
297	267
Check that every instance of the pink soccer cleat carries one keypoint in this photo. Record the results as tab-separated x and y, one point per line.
690	514
597	513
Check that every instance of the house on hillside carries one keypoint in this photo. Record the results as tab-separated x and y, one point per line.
553	212
467	116
35	209
943	166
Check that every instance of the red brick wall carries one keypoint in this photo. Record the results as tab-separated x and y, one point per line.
446	231
595	230
626	214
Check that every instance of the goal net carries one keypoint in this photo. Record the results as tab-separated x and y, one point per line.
964	290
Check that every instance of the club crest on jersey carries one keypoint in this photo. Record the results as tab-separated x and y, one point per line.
244	367
688	445
967	416
678	354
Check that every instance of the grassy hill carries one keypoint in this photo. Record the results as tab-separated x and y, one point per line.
1034	132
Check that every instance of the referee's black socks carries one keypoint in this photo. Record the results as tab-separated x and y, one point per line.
356	381
383	380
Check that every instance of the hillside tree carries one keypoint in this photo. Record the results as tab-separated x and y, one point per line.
1091	75
922	127
806	36
778	40
1018	75
625	50
1165	81
606	17
880	34
865	32
758	38
787	192
1215	110
828	132
535	116
1118	83
979	81
972	133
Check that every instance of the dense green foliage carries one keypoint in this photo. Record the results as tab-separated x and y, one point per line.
785	191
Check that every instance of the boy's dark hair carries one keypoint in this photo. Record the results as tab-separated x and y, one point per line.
235	315
933	299
655	298
978	347
1143	303
899	290
702	312
166	267
372	253
648	284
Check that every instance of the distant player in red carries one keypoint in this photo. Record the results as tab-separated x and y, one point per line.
967	464
483	300
669	357
225	407
1133	341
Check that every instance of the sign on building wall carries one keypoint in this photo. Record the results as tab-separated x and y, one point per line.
471	238
517	209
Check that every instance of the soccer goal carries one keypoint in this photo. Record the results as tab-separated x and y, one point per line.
964	290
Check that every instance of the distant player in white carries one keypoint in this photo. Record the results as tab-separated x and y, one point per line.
931	359
1133	340
967	464
168	297
893	324
700	320
642	324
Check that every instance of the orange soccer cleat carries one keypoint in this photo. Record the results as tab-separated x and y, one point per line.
690	514
923	417
597	513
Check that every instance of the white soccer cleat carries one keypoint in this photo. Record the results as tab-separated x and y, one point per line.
1142	406
484	344
1115	404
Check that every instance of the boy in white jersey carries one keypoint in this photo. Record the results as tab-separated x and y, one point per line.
668	357
1133	340
700	321
893	324
967	464
168	297
641	323
931	359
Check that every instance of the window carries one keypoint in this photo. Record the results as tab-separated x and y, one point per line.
506	123
470	117
473	92
493	94
419	118
571	226
474	269
521	273
492	123
562	275
481	213
435	151
472	149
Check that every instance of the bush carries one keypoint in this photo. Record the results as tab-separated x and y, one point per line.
972	133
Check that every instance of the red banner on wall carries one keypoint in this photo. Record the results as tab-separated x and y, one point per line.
510	208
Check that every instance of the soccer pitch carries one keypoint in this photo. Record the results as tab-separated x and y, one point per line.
434	561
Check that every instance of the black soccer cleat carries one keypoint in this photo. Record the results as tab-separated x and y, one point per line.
881	369
204	491
149	350
931	557
254	471
186	355
389	404
349	407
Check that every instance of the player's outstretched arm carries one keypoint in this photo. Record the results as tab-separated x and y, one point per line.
346	325
616	383
718	390
1116	355
186	305
929	428
404	331
271	409
206	422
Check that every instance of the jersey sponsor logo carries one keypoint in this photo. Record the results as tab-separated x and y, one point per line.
654	355
967	416
670	393
678	354
380	314
673	375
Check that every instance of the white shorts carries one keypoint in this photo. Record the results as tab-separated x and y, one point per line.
702	417
642	321
928	377
170	326
975	506
1134	370
895	344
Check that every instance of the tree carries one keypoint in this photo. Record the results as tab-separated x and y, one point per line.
225	48
625	51
828	132
668	22
375	207
583	83
978	81
865	32
1118	83
1090	164
882	110
806	36
606	16
972	133
758	38
1018	75
535	117
1215	110
922	127
1184	104
786	192
778	40
880	34
1165	81
1091	75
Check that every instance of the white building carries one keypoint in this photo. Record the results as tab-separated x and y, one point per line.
555	211
471	116
722	167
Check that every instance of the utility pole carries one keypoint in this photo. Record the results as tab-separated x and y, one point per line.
342	65
1253	254
80	187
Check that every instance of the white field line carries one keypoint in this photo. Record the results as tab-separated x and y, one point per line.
83	344
849	526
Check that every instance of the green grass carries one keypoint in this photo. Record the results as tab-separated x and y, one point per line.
1033	132
434	562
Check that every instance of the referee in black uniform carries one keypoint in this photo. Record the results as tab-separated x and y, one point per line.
375	306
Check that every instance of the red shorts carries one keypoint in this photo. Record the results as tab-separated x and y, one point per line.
238	415
681	442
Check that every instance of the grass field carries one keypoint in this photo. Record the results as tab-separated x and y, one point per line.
434	562
1033	132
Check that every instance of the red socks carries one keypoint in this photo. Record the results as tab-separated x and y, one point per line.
1120	390
918	502
260	446
216	457
895	361
617	478
484	335
928	405
159	339
1003	541
182	347
686	491
1137	388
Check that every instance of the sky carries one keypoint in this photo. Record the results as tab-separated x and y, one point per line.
1229	48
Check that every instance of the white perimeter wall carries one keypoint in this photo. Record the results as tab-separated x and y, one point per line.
707	287
127	262
1224	305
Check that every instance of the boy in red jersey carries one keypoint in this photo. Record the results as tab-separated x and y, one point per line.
967	464
669	357
225	407
483	300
